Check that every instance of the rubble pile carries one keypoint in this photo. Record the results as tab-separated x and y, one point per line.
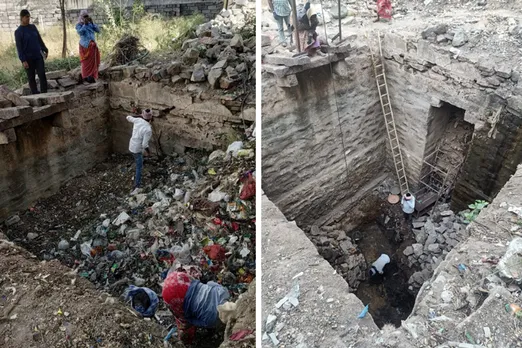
239	16
222	60
436	236
340	251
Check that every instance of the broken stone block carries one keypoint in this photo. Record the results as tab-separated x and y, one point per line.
408	251
4	103
174	68
231	73
432	32
12	97
54	75
191	56
509	264
67	82
213	77
287	81
7	136
460	38
418	224
265	40
434	248
176	78
287	61
446	213
9	113
417	249
504	71
342	236
237	42
315	231
420	236
226	83
12	220
198	75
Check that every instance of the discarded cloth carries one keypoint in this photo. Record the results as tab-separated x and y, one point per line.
201	302
143	300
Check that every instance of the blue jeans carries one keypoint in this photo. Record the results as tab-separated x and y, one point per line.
281	27
138	158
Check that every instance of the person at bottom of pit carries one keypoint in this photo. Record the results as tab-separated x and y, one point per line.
378	269
408	206
193	303
139	143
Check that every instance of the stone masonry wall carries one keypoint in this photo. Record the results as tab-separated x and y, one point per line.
423	74
50	150
189	115
304	170
47	12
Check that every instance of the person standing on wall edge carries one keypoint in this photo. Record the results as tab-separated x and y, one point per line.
408	205
89	52
139	143
384	10
32	52
281	11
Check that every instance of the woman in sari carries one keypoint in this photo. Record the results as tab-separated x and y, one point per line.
384	9
89	53
308	22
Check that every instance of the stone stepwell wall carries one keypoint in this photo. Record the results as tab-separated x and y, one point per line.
47	12
423	74
304	170
55	139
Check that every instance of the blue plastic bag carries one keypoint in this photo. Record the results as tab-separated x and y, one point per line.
154	301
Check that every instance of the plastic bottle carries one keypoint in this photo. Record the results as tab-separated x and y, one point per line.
514	309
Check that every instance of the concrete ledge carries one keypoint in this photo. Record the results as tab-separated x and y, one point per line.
315	62
35	114
326	315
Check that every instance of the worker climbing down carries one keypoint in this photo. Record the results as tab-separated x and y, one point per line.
193	303
139	142
384	10
308	21
378	270
408	205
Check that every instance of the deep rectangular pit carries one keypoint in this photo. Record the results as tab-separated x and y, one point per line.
333	190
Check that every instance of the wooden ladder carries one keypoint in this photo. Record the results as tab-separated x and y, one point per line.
389	120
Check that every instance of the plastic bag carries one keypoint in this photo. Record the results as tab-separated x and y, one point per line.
249	188
143	300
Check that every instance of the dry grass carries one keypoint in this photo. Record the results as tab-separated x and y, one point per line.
155	34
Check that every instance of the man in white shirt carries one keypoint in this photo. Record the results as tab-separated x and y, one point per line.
378	268
408	205
139	142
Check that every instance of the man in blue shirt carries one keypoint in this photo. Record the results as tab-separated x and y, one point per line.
31	51
281	10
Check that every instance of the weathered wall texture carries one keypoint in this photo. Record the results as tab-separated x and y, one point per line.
47	12
192	115
51	150
422	75
304	170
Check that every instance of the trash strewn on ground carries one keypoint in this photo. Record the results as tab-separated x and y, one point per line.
117	240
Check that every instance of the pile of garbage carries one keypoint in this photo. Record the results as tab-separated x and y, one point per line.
196	213
201	216
436	236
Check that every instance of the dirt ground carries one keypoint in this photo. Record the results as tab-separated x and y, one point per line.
75	215
43	305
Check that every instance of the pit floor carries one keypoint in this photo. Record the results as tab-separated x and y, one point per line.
391	301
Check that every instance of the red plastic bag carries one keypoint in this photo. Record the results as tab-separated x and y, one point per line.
216	252
249	188
240	335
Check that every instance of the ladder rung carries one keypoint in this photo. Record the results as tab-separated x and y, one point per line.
402	177
393	148
380	75
387	114
385	105
380	86
384	95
